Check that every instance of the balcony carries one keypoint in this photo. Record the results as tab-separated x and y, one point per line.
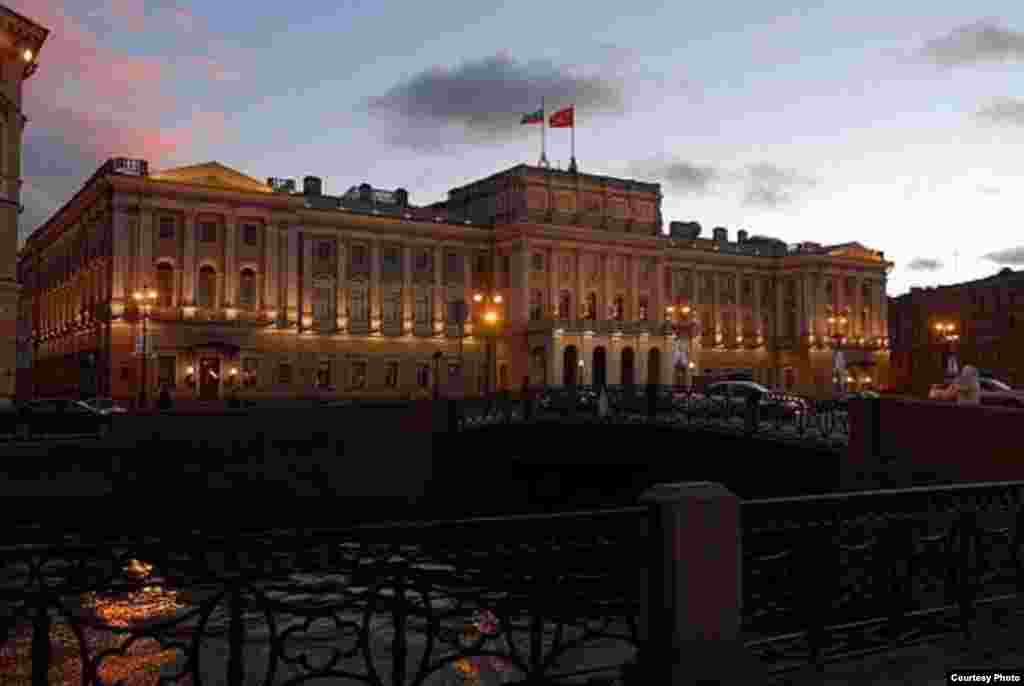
597	326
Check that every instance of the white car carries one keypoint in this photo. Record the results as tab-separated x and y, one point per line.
103	406
993	392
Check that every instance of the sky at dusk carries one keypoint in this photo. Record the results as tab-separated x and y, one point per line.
897	125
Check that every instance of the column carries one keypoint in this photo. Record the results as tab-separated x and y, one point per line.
606	286
657	313
144	264
291	273
553	266
716	305
374	295
120	245
633	279
523	281
341	287
188	261
407	295
270	267
858	299
230	245
439	304
307	279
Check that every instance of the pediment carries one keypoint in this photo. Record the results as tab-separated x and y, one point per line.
215	175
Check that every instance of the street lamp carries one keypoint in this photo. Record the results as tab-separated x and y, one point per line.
491	317
946	333
580	365
678	320
144	299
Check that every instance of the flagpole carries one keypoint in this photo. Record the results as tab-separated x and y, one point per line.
572	142
543	137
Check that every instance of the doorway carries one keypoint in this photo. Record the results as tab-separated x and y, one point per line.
209	378
600	368
627	368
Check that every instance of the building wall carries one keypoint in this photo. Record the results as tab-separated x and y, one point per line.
346	289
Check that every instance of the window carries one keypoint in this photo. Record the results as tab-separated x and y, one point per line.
481	264
536	305
506	268
392	308
391	262
323	374
643	308
591	306
564	305
358	375
247	289
208	232
454	371
423	260
250	370
165	284
284	373
207	287
391	375
250	234
451	267
167	227
538	262
423	375
359	311
165	371
620	308
359	256
423	308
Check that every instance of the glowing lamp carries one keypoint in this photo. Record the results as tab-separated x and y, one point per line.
28	55
478	298
497	298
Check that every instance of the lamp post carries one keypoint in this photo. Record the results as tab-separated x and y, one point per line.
144	299
678	319
491	316
946	333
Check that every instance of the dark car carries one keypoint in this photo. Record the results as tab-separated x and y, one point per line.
61	417
730	397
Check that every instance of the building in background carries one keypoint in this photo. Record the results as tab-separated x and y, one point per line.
20	42
269	289
976	322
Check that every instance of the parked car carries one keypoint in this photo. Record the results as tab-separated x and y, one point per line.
993	392
104	406
731	396
61	416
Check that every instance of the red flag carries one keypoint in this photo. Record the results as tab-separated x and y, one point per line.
562	118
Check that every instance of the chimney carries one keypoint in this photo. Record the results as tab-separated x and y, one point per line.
741	236
402	197
721	234
312	185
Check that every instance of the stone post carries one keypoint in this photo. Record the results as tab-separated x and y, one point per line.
690	633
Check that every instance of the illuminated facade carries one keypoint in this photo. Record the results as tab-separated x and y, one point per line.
271	291
20	43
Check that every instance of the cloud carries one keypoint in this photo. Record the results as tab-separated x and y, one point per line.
1006	111
680	175
924	264
484	99
1010	256
769	186
981	41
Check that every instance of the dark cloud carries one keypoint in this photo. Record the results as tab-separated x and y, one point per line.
680	175
924	264
1010	256
770	186
1008	111
484	99
981	41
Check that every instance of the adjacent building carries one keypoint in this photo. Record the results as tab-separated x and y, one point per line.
977	322
270	289
21	39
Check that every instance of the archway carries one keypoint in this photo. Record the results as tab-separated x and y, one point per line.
654	366
600	366
569	366
628	377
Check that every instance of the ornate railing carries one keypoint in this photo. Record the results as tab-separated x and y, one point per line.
838	576
521	599
528	599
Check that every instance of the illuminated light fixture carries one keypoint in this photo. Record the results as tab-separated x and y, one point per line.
491	317
867	379
692	365
27	55
497	298
190	369
478	298
234	371
739	339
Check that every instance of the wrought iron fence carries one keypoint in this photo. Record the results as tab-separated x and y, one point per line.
528	599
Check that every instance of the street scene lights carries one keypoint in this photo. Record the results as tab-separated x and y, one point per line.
835	329
946	334
679	321
144	299
491	317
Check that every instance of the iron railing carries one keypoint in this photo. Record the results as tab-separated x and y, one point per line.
535	599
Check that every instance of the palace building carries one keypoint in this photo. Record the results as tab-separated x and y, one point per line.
20	42
265	289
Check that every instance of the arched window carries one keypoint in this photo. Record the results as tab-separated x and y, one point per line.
591	306
247	289
207	287
536	305
165	284
620	308
564	305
